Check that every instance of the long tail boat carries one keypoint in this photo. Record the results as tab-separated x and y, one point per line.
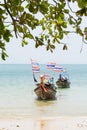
48	91
43	90
63	84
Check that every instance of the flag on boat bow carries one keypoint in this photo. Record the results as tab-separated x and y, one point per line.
35	68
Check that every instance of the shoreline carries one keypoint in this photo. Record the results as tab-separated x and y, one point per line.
44	123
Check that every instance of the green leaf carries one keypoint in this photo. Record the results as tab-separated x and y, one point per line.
82	3
4	55
46	37
47	47
21	8
43	27
1	25
24	42
71	20
60	35
36	45
85	37
52	46
62	16
64	24
30	36
85	31
65	47
17	2
79	21
20	29
40	43
44	7
7	35
60	21
2	45
66	11
50	31
1	12
78	30
66	32
33	7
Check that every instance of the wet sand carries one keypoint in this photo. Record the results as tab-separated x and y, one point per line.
45	123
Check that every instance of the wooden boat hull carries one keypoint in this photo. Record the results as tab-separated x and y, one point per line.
41	94
63	84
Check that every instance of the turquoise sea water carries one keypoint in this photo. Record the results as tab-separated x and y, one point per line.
17	98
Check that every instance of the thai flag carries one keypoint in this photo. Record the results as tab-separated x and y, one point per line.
35	66
36	70
33	62
58	69
47	76
51	65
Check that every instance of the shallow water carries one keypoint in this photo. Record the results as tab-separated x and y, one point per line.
17	98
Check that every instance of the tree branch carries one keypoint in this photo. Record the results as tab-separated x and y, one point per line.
55	2
13	20
83	40
70	7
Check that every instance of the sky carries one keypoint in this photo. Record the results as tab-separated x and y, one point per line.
23	55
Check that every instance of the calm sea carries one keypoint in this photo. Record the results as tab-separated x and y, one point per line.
17	98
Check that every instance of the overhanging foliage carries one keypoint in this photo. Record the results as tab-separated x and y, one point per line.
19	18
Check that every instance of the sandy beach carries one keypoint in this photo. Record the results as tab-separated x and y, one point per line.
45	123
